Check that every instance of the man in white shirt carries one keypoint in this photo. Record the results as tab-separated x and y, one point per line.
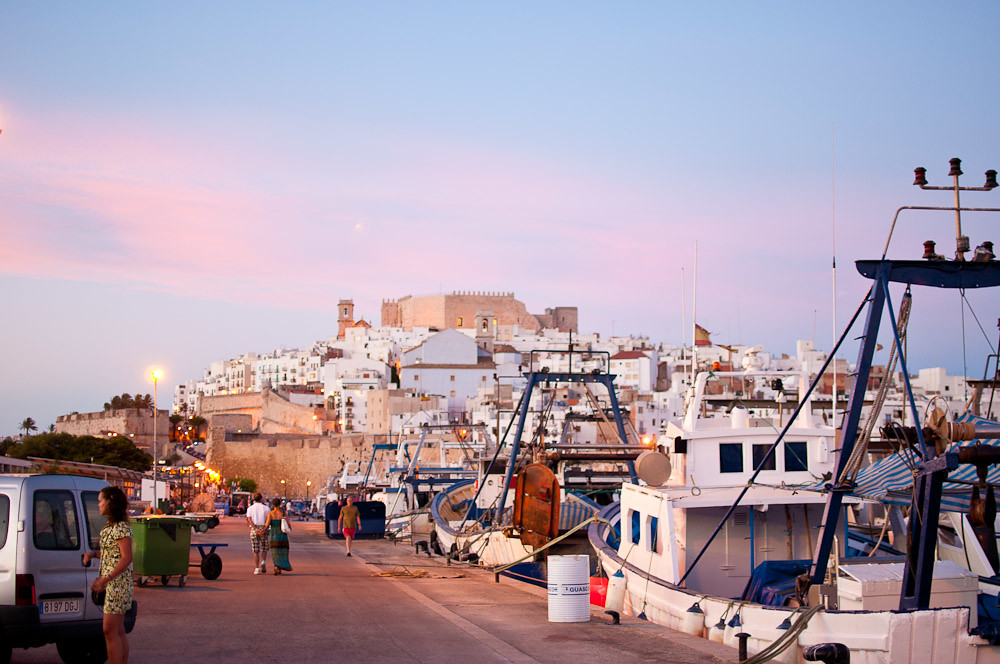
257	518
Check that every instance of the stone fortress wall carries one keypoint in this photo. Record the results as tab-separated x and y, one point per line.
459	309
269	458
125	421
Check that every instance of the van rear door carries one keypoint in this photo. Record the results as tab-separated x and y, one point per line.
55	549
8	546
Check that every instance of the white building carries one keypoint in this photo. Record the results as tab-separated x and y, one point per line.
447	364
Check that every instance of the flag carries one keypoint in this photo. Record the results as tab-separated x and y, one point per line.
701	336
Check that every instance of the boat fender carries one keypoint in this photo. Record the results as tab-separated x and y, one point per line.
694	621
733	627
615	600
717	631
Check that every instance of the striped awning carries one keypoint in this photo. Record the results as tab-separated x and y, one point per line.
890	480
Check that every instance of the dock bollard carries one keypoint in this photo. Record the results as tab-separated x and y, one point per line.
743	636
830	653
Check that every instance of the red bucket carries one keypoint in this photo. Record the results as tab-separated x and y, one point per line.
598	590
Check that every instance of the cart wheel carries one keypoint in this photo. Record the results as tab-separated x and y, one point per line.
182	581
143	581
202	526
164	579
211	566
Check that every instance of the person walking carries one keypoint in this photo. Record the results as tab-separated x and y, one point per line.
115	579
277	520
349	522
257	517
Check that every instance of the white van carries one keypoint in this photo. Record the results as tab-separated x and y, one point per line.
47	522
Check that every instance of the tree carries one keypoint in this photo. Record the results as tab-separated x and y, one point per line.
197	422
27	426
175	419
115	451
245	484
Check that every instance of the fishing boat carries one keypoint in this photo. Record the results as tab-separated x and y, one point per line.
514	531
765	555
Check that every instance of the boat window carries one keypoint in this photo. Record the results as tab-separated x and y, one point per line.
4	518
635	531
55	521
731	457
796	456
759	452
654	541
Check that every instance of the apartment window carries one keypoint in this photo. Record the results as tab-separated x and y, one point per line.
759	452
731	457
453	378
796	456
453	393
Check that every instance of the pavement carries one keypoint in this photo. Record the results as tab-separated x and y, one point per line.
334	608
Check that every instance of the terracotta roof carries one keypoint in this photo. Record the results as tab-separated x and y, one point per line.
629	355
361	323
505	348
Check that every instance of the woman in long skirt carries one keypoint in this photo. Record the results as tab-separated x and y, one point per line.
279	539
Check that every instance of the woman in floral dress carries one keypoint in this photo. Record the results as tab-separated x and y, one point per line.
116	570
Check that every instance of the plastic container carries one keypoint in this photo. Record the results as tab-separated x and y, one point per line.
569	588
598	590
161	546
615	600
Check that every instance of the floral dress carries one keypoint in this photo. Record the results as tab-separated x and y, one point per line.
118	594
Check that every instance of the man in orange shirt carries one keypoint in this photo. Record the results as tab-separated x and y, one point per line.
349	522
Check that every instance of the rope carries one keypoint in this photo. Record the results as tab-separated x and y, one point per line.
502	568
785	640
402	571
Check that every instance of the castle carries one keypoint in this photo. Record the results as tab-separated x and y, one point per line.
460	310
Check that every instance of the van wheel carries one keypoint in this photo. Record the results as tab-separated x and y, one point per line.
90	650
4	650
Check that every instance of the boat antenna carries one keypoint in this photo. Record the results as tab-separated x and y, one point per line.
833	252
683	316
694	317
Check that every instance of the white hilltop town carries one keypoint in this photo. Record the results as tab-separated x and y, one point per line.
296	418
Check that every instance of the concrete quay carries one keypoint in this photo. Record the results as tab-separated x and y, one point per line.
332	608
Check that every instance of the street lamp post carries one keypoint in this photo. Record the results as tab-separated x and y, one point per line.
157	375
284	489
309	483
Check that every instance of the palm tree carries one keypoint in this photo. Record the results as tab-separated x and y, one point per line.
197	422
175	419
27	426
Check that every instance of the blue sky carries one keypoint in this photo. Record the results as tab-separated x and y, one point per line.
184	182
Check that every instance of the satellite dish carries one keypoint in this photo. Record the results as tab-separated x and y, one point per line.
653	467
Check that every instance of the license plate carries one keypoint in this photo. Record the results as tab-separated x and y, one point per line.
53	606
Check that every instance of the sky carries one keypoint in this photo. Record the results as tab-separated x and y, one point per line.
186	182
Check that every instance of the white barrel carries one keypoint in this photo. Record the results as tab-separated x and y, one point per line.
569	588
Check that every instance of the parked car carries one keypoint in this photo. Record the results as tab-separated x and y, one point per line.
47	522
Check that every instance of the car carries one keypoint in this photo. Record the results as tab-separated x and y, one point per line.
47	522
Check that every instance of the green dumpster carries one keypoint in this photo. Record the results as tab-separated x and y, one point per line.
161	546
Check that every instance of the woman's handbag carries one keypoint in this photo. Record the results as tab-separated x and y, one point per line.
285	528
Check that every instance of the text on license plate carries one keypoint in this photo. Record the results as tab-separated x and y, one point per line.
61	606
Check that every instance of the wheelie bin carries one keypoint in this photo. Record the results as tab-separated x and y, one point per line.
161	546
